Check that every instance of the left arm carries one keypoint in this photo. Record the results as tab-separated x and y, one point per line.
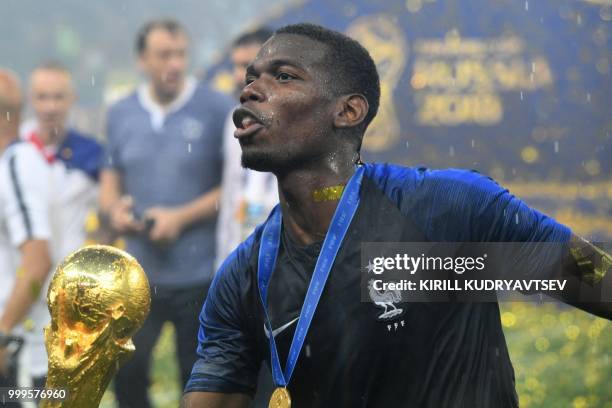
36	264
170	222
483	211
586	269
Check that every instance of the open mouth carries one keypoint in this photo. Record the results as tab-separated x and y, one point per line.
246	122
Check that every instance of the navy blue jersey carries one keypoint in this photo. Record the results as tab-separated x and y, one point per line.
431	355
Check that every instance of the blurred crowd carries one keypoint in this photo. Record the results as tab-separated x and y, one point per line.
166	184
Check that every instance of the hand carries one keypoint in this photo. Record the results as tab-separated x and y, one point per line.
122	216
167	224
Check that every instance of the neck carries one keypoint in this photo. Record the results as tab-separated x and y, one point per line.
52	137
165	99
307	218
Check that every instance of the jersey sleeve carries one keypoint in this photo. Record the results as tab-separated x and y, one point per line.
487	212
227	357
466	206
27	202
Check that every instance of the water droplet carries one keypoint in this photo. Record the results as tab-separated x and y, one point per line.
155	289
8	116
516	218
473	143
188	147
533	66
407	145
521	95
451	151
588	97
556	146
93	80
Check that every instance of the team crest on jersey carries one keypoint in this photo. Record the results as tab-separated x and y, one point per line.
192	129
387	300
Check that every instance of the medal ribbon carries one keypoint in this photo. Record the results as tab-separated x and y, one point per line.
268	251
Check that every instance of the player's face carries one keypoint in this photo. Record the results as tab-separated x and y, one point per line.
165	61
286	114
241	57
52	96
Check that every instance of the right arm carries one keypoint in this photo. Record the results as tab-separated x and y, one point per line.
225	374
115	207
214	400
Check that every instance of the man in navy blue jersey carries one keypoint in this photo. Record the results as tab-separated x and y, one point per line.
309	97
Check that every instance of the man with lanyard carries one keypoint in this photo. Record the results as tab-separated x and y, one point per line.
25	259
291	293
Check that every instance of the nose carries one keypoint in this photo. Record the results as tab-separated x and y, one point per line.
251	93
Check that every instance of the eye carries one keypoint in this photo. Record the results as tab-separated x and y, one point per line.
283	77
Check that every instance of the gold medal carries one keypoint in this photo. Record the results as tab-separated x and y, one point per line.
280	398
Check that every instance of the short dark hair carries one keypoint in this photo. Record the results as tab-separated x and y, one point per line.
168	24
358	72
258	36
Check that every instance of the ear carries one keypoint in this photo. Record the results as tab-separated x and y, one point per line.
351	110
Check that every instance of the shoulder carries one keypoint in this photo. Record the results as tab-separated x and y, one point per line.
237	266
23	151
396	180
82	141
124	105
22	161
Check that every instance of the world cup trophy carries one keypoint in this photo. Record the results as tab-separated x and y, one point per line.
98	298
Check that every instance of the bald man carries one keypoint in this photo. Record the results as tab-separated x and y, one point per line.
24	231
74	157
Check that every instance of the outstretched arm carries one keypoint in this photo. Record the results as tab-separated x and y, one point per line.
214	400
587	268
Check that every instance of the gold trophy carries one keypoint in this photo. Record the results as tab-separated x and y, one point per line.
98	298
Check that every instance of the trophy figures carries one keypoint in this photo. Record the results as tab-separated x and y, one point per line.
98	298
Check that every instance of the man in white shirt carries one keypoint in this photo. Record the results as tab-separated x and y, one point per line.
247	196
74	157
24	231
